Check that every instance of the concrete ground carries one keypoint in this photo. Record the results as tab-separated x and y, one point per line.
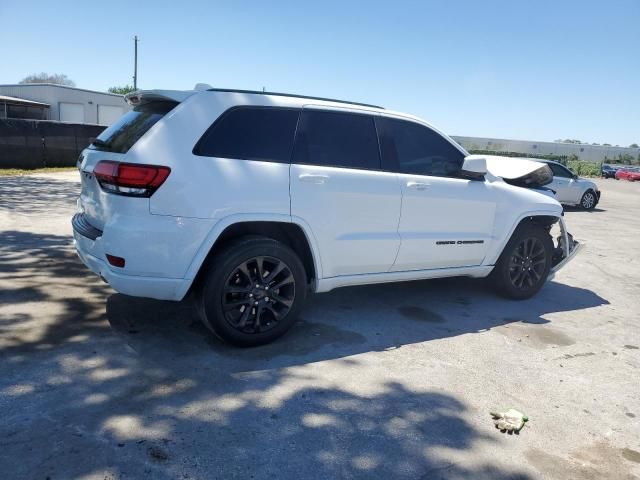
388	381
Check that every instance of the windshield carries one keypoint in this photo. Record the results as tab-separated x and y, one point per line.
123	134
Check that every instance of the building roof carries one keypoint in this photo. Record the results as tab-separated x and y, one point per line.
59	86
22	101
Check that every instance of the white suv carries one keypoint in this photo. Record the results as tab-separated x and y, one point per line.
252	199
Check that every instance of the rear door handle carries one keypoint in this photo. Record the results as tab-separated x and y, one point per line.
311	178
417	185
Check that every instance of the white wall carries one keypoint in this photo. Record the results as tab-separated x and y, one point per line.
71	112
108	114
593	153
54	95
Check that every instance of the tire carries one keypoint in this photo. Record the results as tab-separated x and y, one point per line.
232	296
524	265
589	200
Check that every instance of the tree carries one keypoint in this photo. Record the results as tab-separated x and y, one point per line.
42	77
633	145
121	90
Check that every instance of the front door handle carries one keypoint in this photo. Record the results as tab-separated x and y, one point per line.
311	178
417	185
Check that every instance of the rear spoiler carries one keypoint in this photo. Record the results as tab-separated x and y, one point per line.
140	97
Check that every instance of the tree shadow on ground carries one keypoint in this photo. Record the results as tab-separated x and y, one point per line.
171	402
100	384
43	283
32	195
145	423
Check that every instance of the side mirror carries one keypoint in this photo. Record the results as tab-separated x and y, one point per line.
476	166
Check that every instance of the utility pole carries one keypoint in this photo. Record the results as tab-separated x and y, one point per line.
135	62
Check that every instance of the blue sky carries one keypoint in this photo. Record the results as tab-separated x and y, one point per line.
537	70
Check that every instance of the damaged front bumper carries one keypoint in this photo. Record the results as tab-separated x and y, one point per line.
565	251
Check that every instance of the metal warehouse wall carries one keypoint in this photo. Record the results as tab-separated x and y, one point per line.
592	153
54	95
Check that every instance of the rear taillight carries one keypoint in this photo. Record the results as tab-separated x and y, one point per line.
130	179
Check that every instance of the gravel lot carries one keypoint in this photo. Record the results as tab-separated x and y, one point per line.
389	381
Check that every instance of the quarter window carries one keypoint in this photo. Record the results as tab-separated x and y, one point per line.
336	139
409	147
251	133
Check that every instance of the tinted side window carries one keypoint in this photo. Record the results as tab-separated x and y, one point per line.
409	147
251	133
336	139
559	171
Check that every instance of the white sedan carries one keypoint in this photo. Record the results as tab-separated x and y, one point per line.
571	189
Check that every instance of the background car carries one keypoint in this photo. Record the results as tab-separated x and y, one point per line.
608	171
571	189
628	173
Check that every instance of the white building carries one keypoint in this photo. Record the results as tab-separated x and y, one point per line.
591	153
66	104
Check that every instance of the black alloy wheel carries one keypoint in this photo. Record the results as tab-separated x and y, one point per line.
251	291
258	293
527	264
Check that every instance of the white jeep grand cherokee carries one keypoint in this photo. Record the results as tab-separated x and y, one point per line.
252	199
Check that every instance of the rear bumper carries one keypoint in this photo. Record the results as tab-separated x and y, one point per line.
89	246
151	287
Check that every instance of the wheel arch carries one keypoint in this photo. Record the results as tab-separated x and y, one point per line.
546	219
294	234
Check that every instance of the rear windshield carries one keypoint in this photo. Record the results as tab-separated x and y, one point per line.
123	134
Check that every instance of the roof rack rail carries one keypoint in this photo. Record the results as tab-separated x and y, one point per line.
259	92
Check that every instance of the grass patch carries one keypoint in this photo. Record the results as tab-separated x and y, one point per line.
5	172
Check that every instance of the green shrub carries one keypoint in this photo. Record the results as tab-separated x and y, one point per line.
556	158
625	159
585	169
